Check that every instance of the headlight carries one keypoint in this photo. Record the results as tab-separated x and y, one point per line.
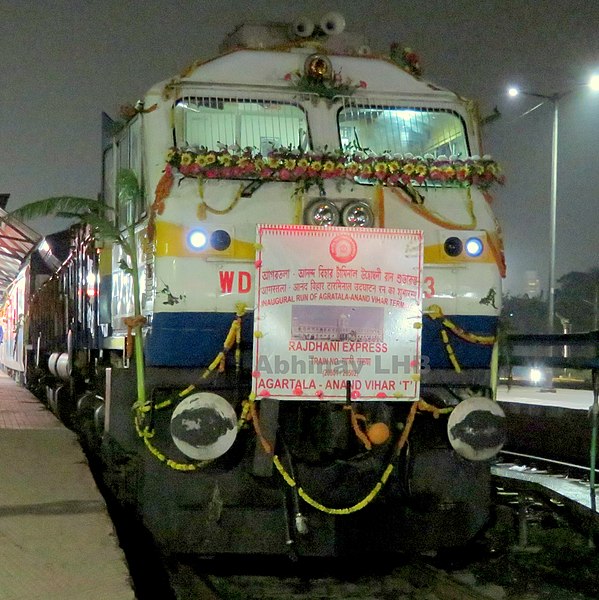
453	246
322	212
358	214
474	246
197	239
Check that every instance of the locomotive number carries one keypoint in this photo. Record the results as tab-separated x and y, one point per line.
239	282
429	287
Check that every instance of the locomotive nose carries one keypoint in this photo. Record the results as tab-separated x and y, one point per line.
476	429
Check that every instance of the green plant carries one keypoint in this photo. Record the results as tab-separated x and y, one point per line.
96	214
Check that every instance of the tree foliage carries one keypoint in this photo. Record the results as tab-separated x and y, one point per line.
578	299
521	314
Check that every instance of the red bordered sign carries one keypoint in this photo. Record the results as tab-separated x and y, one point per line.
338	310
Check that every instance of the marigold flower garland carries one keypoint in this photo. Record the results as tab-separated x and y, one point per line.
315	167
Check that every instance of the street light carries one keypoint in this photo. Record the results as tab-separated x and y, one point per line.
593	83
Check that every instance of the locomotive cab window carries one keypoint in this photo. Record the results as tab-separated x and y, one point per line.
259	124
402	130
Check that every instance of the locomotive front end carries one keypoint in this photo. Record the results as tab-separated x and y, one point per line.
320	283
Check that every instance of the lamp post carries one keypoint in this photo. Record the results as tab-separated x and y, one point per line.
555	101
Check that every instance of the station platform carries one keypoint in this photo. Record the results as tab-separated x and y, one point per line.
551	423
552	397
57	541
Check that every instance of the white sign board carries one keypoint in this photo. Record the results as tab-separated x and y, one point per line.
337	305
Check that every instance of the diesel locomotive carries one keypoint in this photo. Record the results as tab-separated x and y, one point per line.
298	189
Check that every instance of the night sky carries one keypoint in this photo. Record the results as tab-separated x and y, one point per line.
64	62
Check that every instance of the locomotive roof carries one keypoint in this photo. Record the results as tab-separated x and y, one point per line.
261	56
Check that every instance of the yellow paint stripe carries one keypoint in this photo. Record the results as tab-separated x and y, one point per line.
171	240
435	253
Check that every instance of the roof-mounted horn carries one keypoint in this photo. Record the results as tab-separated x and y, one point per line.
302	27
333	23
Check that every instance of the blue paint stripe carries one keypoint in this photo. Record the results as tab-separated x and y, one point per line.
191	339
469	355
194	339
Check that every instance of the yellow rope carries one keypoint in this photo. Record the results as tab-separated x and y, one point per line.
356	426
450	353
146	434
268	448
435	217
233	337
204	207
434	311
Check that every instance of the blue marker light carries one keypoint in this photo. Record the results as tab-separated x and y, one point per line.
220	239
474	246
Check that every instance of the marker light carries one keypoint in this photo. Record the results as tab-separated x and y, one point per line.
474	246
358	214
197	239
91	280
453	246
220	239
322	212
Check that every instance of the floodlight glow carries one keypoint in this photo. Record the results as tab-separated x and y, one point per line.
513	92
474	246
536	375
405	115
197	239
594	82
44	246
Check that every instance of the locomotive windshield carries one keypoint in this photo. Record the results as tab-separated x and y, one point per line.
258	124
402	130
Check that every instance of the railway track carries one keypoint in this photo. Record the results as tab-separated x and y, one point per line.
409	581
552	562
505	564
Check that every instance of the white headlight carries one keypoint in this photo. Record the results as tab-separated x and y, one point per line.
322	212
197	239
358	214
